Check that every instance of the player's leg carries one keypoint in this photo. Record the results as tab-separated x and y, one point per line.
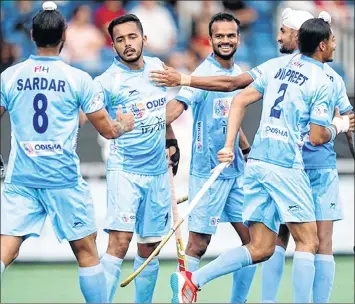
273	268
73	218
204	218
153	222
22	216
260	213
123	197
325	189
243	278
290	189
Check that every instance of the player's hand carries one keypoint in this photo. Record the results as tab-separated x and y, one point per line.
168	77
225	155
174	153
126	120
351	121
2	167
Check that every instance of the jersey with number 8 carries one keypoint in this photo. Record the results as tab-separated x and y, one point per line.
296	92
43	96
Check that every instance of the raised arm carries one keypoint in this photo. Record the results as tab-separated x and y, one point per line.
174	109
171	78
235	118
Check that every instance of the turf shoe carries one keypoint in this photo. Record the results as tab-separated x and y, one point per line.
184	290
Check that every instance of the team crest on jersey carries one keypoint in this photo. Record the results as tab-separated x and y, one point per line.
221	107
138	109
42	148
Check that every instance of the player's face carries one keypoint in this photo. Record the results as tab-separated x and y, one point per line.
128	41
330	47
225	39
287	38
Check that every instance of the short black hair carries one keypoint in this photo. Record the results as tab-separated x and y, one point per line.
311	33
222	17
124	19
48	28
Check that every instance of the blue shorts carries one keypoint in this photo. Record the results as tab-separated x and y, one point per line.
24	211
138	203
274	194
222	202
325	190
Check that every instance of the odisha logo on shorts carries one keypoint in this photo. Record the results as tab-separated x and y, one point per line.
214	220
29	148
128	218
138	110
221	107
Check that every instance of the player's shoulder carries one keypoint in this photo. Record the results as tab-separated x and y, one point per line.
153	62
112	73
332	74
205	68
73	72
14	69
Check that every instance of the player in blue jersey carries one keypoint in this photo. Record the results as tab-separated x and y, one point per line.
224	201
138	189
43	96
296	95
319	166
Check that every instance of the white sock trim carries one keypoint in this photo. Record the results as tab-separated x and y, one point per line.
250	260
280	249
112	259
324	257
90	271
304	255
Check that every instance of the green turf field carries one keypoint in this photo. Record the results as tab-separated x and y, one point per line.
58	283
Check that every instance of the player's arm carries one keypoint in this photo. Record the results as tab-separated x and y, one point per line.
82	118
235	118
174	109
244	144
171	78
174	151
111	129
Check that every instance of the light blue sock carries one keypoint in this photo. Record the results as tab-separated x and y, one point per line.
112	268
302	276
192	263
271	275
229	261
242	280
146	280
2	268
93	284
323	278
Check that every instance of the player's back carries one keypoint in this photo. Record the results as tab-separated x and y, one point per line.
324	156
43	96
295	93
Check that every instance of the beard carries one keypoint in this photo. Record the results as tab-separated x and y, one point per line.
285	50
133	59
224	57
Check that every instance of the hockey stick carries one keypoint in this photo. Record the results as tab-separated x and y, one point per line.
217	171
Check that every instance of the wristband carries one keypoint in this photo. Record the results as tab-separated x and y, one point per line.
185	80
332	131
341	124
246	151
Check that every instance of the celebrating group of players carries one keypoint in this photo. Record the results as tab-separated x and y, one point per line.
290	176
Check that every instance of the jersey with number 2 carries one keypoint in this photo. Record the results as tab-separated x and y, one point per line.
43	96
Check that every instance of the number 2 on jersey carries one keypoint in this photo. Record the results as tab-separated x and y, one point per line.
277	113
40	112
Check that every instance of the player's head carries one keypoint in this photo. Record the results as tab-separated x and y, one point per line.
48	27
127	37
316	36
288	34
224	35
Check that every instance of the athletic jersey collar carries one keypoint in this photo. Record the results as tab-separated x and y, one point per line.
213	60
295	52
118	63
311	60
45	58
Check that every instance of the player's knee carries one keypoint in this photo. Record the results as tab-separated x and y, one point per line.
325	245
119	243
197	247
261	252
307	242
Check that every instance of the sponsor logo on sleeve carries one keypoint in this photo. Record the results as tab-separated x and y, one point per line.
42	148
321	111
